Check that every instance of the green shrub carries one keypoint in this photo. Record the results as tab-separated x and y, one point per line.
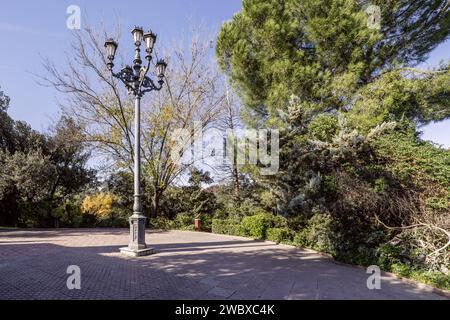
317	234
324	127
388	255
230	226
88	220
68	215
185	221
256	226
206	220
433	277
161	224
301	240
34	215
120	222
279	235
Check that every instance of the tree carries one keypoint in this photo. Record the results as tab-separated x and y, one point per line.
192	201
69	157
101	205
230	123
323	51
99	103
15	167
4	101
121	185
334	87
40	171
6	124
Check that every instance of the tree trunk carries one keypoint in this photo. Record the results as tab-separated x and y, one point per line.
235	178
155	203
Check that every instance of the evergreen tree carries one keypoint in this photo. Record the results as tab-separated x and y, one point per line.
324	52
334	86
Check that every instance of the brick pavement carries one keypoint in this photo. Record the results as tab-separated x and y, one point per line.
188	265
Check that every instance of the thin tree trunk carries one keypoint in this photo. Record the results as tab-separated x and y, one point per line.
156	198
236	187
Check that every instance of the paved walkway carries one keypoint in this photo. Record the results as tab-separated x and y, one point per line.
189	265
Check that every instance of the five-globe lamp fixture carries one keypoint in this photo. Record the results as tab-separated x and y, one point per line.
137	83
135	78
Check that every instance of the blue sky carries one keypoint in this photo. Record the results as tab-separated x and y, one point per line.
30	30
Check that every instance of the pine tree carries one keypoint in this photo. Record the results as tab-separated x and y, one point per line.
335	84
323	51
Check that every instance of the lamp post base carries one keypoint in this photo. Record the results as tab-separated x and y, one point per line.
137	246
137	253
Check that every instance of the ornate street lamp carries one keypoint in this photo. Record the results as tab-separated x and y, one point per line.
137	83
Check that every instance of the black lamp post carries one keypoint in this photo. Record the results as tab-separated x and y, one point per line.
137	83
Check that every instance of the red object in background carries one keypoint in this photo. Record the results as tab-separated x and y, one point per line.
198	225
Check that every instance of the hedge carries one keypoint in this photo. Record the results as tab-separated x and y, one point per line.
279	235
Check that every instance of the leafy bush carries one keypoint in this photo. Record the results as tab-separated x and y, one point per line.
256	226
115	220
161	223
434	278
34	215
388	256
317	234
68	215
324	127
206	220
229	226
184	221
279	235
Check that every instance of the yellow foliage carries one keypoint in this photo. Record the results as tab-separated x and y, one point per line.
100	204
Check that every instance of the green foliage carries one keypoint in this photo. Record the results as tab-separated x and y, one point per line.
230	226
347	101
4	102
257	225
397	94
6	125
389	255
40	172
317	234
34	215
274	49
324	127
69	214
434	278
413	159
184	221
161	223
279	235
27	174
195	199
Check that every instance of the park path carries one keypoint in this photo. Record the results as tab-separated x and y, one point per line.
188	265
